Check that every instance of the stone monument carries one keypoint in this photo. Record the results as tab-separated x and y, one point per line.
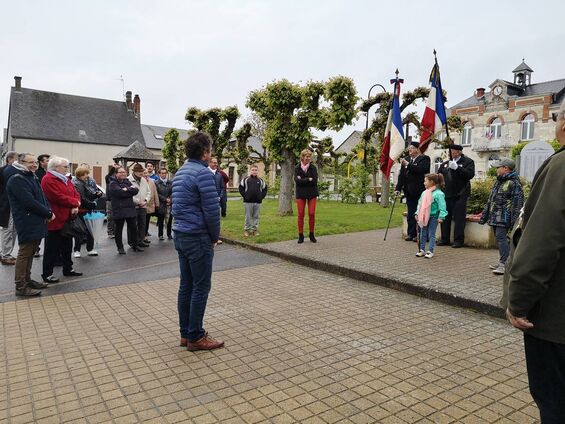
532	156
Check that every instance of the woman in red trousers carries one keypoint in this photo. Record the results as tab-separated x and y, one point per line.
306	178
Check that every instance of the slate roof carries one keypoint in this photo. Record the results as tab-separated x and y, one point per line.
350	142
523	67
138	152
45	115
154	135
556	87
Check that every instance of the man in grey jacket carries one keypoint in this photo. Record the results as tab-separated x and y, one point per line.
535	290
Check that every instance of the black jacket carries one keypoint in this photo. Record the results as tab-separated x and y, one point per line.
306	189
6	172
458	181
411	178
40	173
87	196
122	200
164	191
30	209
252	189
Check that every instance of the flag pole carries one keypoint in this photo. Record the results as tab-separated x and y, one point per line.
442	104
390	217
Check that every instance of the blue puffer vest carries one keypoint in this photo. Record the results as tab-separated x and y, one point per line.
196	207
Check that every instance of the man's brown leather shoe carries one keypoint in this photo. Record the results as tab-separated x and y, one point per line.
8	261
183	342
205	343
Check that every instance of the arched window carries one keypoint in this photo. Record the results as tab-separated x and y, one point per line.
466	134
495	129
437	164
528	127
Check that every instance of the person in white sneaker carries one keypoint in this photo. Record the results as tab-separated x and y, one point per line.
503	209
431	210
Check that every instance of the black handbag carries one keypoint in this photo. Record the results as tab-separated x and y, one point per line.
75	228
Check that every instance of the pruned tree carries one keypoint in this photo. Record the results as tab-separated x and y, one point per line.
290	111
241	151
219	123
173	150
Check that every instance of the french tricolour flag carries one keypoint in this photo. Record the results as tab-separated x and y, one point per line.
434	116
393	143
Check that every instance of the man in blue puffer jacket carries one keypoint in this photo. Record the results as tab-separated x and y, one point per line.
197	229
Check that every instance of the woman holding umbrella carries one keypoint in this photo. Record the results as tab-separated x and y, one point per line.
123	210
87	204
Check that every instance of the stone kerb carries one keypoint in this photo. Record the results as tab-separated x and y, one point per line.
476	235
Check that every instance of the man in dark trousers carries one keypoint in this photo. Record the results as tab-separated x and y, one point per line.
457	173
411	182
535	282
31	213
7	229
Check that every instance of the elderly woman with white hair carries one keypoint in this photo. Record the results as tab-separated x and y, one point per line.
64	201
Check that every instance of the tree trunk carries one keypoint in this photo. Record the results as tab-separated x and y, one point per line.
287	183
385	191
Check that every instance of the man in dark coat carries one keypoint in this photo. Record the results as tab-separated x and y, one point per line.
411	182
42	169
31	213
7	230
457	173
535	283
164	191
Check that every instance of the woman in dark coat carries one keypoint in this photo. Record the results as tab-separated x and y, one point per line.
87	204
123	210
306	179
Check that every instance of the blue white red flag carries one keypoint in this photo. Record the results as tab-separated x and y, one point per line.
393	143
434	116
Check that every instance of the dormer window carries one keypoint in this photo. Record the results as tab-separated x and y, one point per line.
158	136
528	123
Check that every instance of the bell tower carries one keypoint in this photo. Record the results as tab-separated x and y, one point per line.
523	74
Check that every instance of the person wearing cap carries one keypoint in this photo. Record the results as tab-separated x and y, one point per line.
503	208
140	200
457	173
534	283
411	182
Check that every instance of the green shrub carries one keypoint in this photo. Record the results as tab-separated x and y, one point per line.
324	189
480	191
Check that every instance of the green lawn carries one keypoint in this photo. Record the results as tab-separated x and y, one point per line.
331	218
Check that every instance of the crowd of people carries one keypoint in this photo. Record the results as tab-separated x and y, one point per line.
41	200
38	203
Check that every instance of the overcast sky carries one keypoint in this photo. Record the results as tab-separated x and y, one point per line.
177	54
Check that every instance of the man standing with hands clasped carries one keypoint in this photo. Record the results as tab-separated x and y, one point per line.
534	289
457	174
411	181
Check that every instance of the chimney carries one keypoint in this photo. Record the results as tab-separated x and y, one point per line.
136	106
18	81
479	93
128	100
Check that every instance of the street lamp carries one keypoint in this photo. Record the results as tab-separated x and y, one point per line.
367	122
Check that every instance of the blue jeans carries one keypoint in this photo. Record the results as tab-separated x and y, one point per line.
428	233
501	235
196	254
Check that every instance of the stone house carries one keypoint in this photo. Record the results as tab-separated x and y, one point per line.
505	115
81	129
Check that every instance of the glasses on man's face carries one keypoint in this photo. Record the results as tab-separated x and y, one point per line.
557	115
30	161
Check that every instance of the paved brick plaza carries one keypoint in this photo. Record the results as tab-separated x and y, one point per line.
302	346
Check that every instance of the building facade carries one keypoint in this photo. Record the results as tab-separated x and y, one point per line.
507	114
